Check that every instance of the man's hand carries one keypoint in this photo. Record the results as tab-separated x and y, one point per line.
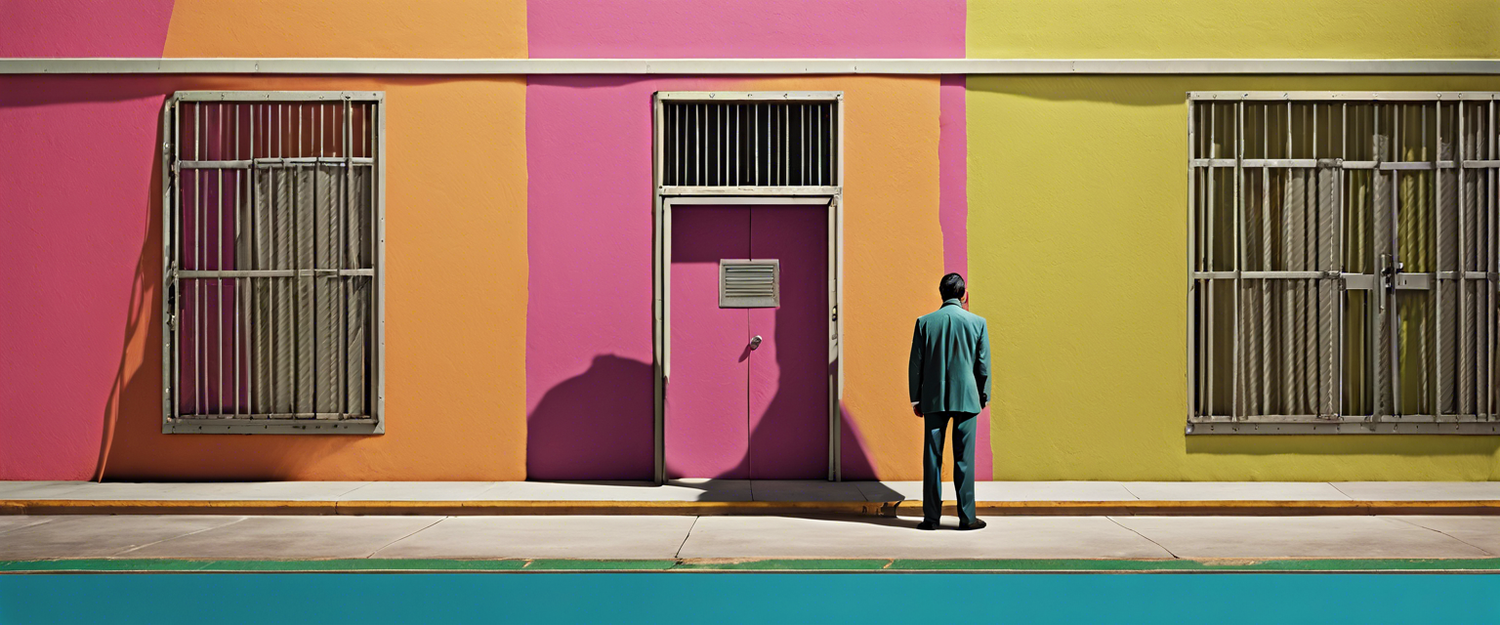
916	410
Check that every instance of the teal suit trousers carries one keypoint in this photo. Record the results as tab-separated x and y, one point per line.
963	464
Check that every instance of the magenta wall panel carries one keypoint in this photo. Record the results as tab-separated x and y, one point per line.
79	245
789	372
746	28
80	266
589	388
83	28
589	375
707	421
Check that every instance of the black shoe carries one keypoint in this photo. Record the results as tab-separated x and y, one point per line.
927	525
978	524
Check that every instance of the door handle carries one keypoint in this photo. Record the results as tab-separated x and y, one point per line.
755	343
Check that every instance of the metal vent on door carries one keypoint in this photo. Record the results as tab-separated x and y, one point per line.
749	143
749	283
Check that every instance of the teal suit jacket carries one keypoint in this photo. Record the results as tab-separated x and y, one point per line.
950	361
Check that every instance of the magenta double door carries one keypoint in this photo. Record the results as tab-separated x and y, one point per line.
737	408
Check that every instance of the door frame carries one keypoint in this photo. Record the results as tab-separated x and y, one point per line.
666	197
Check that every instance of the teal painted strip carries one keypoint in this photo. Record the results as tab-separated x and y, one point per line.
812	565
750	598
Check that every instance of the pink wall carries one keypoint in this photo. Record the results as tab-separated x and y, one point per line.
77	268
83	28
746	28
589	388
77	173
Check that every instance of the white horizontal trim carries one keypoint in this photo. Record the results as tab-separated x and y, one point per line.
685	191
740	96
371	66
1357	97
279	96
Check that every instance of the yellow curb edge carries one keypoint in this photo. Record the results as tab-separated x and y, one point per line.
885	508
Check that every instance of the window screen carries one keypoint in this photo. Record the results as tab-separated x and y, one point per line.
272	248
1343	260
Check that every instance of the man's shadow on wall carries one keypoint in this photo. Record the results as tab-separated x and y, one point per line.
597	426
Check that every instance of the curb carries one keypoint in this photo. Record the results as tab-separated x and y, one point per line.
752	565
762	508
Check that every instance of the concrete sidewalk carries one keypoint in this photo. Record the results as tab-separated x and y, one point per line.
717	539
753	497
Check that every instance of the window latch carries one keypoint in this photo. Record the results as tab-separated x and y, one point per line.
1389	272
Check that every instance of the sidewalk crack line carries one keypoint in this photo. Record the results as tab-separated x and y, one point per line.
1433	529
155	542
678	554
1340	490
413	533
1148	538
20	527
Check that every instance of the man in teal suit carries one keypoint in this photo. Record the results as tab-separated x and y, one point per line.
950	380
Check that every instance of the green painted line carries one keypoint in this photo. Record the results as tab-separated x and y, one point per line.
105	565
363	564
786	565
166	565
101	565
1479	564
600	565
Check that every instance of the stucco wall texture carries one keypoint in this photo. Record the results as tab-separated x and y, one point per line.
519	231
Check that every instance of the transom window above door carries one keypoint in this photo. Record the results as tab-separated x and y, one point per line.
750	139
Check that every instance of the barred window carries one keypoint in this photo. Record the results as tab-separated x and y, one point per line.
772	139
273	241
1343	263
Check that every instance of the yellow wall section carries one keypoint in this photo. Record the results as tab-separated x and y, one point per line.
1078	227
455	299
892	245
1234	28
348	28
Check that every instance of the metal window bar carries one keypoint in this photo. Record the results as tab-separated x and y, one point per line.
1343	262
739	144
270	275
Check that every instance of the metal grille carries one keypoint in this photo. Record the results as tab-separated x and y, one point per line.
749	283
749	143
272	247
1343	262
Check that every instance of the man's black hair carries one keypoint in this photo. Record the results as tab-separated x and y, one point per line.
952	287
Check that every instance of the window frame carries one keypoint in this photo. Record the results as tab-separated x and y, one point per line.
1375	423
170	203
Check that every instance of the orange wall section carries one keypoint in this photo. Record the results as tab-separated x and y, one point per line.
348	28
455	306
893	243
